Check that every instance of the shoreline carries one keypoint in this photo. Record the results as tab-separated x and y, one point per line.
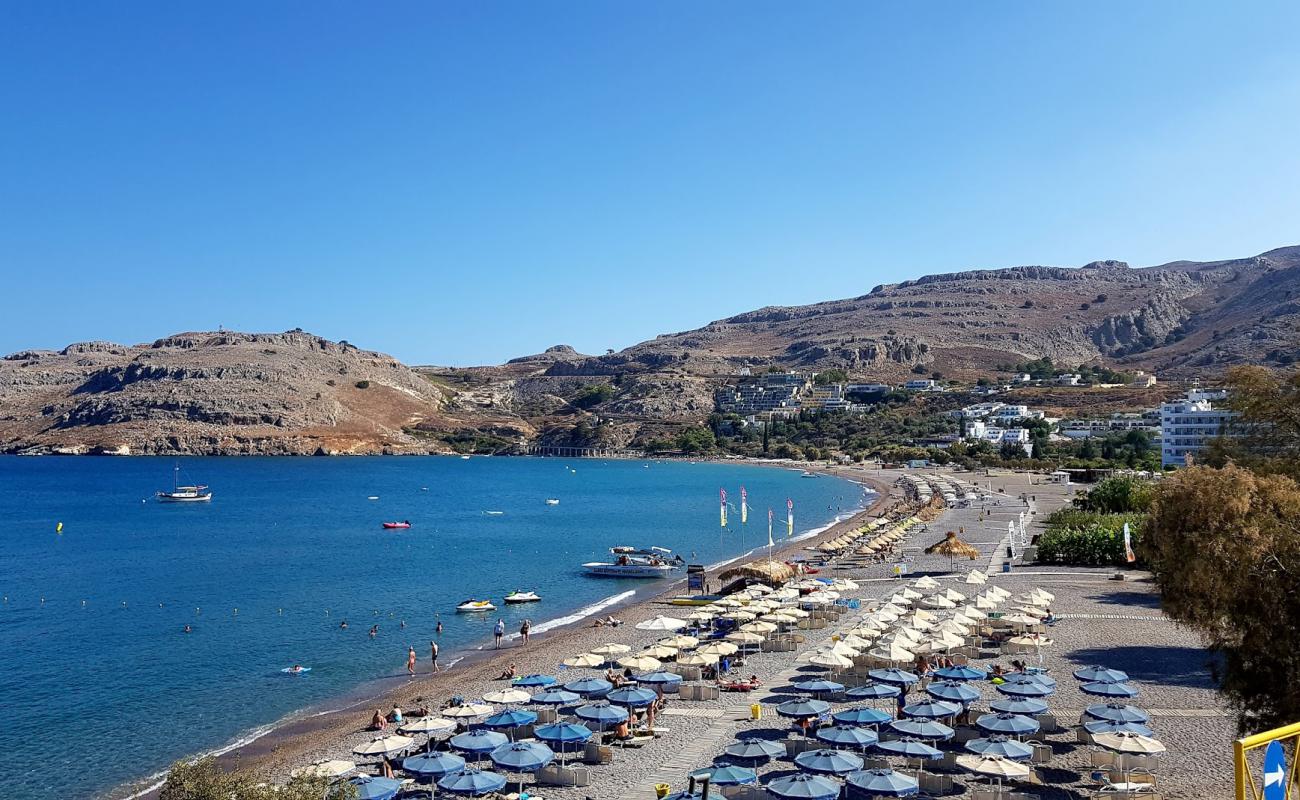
269	750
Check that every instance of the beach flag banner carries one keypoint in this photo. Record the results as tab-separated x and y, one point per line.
744	506
1129	555
769	528
723	493
789	517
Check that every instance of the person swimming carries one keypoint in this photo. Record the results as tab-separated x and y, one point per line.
188	629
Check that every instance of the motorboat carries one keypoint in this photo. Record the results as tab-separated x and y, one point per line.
807	474
184	494
476	605
552	501
397	525
629	562
517	596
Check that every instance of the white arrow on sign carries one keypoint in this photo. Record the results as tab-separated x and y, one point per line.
1276	776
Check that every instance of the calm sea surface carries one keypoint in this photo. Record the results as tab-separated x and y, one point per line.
99	684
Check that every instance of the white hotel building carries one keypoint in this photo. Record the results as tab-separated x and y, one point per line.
1186	425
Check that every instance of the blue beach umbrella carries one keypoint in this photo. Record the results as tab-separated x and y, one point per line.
1100	673
659	677
754	750
819	687
961	672
1010	724
563	733
602	713
921	728
828	761
479	741
684	796
522	756
1105	726
589	687
372	788
884	783
556	697
873	691
534	680
954	692
1024	689
1118	712
1013	749
804	787
1109	689
893	675
932	709
848	736
510	719
433	765
1037	677
727	775
861	716
632	696
909	746
473	782
800	709
1019	705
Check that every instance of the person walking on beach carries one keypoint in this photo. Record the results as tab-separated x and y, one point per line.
525	629
410	661
498	631
433	654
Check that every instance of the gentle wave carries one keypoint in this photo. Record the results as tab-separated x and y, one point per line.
579	615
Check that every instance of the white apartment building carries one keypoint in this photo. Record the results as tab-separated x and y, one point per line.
980	430
1187	424
923	386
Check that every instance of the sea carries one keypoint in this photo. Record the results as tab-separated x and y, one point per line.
101	685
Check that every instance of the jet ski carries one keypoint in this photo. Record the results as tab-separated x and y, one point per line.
522	597
476	605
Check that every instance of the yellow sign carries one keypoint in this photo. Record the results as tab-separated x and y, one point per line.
1248	788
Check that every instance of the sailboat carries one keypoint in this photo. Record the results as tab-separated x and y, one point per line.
184	494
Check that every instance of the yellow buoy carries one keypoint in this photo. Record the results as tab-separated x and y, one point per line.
58	528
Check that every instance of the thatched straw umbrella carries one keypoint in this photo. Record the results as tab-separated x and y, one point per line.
952	547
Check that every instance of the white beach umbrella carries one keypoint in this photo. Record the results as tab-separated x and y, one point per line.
328	768
1031	600
830	660
894	653
998	592
818	599
728	602
744	637
856	642
508	696
1021	619
701	616
925	582
994	766
1124	742
986	603
681	641
759	626
954	595
698	659
467	710
584	660
760	588
611	649
718	649
796	612
909	593
938	601
925	615
640	663
662	624
384	745
740	616
953	626
1033	640
971	613
1033	611
660	651
1043	593
783	617
786	594
429	725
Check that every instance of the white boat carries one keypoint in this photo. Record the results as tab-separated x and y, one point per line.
476	605
629	562
807	474
184	494
517	596
552	501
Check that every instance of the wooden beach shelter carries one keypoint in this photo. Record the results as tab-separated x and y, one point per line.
952	547
770	573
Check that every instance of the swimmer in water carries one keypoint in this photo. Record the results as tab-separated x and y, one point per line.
438	628
374	631
343	625
188	629
295	669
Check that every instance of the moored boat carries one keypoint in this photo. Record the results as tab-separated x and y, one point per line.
184	494
476	605
517	597
397	525
629	562
552	501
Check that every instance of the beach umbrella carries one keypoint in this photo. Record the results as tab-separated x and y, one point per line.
971	613
1097	672
938	601
994	766
1019	705
429	725
861	716
894	676
1041	678
804	787
556	697
1104	726
467	710
848	736
819	687
327	768
754	750
873	691
506	696
1117	712
659	677
921	728
932	709
976	578
563	733
522	756
1127	742
717	649
433	765
534	681
954	691
856	641
1033	640
830	660
1000	746
472	782
728	602
589	687
1021	619
660	651
681	641
510	719
662	624
828	761
584	661
740	616
1024	688
961	673
601	713
700	616
1108	689
384	746
744	637
759	626
910	747
953	548
884	783
800	709
640	663
479	741
684	795
697	659
632	696
370	787
611	649
727	775
1010	724
924	583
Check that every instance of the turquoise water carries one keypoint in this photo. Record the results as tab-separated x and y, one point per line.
100	684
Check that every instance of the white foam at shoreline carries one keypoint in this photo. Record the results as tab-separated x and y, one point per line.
579	615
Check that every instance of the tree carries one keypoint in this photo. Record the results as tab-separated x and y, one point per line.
204	780
696	440
1266	436
592	395
1119	494
831	376
1224	545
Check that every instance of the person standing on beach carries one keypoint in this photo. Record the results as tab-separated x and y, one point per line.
525	629
410	661
433	654
498	631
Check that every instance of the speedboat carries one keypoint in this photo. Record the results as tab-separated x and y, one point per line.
476	605
397	525
807	474
552	501
522	597
629	562
184	494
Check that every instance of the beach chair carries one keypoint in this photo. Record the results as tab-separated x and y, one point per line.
936	783
1047	723
598	754
1101	759
1042	752
563	775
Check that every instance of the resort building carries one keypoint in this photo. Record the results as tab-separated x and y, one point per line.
1141	380
770	392
826	397
1068	380
1187	425
979	430
923	386
1146	421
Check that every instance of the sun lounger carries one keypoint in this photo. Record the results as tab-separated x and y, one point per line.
559	775
598	754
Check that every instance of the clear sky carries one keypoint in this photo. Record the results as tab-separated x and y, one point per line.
460	183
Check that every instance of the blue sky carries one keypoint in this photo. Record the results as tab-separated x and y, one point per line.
460	183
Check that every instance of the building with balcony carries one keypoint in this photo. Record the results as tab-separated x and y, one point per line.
1187	425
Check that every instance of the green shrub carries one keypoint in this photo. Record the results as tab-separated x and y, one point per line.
363	384
1119	494
1085	538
